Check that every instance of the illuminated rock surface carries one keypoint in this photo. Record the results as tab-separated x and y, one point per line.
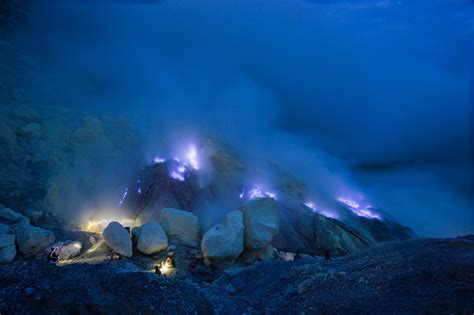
224	242
152	238
181	224
66	250
262	222
118	239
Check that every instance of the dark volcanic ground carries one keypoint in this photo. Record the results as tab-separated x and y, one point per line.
424	275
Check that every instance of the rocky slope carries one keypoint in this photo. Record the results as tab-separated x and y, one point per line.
418	276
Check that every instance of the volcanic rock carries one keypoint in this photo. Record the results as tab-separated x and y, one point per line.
10	217
30	131
310	232
152	238
262	222
7	254
4	229
6	240
224	242
181	224
118	239
31	239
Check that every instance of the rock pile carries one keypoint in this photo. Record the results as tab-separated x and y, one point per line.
248	231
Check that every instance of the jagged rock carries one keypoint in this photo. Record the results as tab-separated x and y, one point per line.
25	113
181	224
7	254
310	232
152	238
118	239
30	131
4	229
262	222
224	242
31	239
66	250
9	216
6	240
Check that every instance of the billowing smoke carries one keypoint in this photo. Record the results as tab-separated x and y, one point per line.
352	96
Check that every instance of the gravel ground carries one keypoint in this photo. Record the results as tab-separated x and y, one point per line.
418	276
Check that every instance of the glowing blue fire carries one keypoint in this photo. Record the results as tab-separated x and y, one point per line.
358	209
324	212
192	158
257	192
158	160
176	175
123	197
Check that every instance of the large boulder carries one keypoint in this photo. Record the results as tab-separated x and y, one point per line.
118	239
9	216
7	240
309	232
262	222
181	224
31	239
7	254
224	242
152	238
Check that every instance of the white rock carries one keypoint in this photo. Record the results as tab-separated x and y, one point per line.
10	216
262	222
7	254
4	229
7	240
181	224
152	238
31	239
224	242
31	131
118	238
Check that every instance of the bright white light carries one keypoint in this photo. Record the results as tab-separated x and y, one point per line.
181	169
310	205
357	209
158	160
258	192
177	176
191	157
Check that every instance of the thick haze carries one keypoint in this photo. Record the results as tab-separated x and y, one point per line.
375	94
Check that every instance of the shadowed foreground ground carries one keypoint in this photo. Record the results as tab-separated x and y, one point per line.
425	275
